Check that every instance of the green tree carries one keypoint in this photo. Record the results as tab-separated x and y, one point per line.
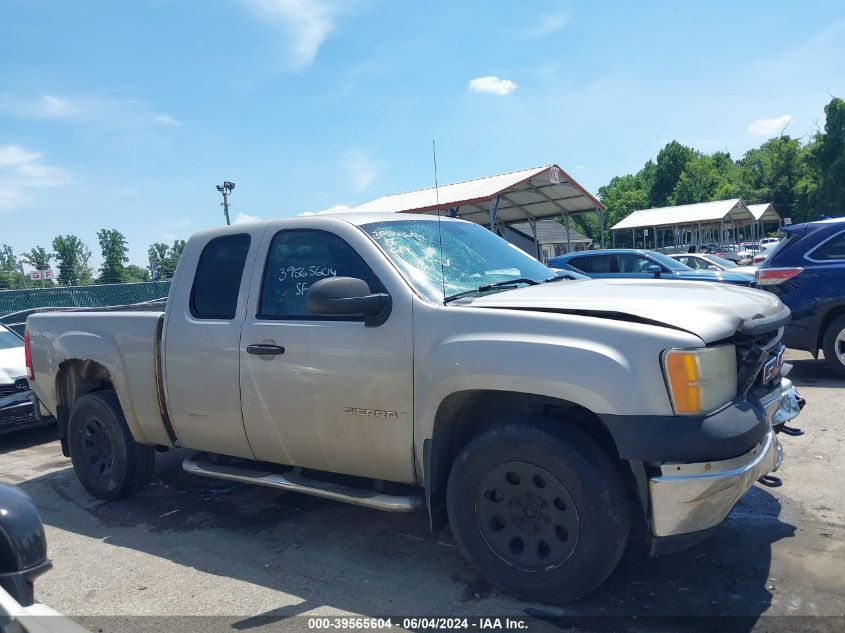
667	170
706	178
73	257
771	173
37	257
10	274
133	273
164	258
114	249
824	190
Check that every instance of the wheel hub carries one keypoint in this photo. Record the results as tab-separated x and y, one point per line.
527	516
95	442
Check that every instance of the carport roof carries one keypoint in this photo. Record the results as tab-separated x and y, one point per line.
765	212
703	212
541	192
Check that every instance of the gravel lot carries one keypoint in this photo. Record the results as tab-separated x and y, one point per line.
188	546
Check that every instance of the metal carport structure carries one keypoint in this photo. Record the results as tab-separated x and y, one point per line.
700	220
763	213
496	201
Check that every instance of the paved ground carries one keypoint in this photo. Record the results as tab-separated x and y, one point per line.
191	546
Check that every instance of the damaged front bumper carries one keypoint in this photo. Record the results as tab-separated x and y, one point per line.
691	498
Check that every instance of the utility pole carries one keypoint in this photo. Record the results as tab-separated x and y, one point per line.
226	190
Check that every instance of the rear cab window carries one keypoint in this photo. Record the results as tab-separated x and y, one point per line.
217	281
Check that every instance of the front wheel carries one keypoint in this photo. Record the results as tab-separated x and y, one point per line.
540	512
833	344
108	461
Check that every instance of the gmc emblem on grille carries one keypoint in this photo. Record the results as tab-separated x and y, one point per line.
21	384
772	368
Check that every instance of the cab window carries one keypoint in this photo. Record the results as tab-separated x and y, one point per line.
217	281
299	258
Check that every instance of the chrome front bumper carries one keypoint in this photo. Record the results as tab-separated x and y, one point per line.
692	497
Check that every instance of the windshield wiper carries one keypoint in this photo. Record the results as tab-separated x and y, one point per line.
498	284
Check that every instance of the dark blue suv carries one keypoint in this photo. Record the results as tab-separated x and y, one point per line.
807	271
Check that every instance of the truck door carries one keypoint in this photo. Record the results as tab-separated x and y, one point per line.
328	393
202	331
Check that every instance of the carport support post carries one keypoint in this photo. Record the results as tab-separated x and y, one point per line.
601	227
565	217
494	212
633	239
532	222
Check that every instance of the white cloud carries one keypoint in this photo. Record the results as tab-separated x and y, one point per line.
547	24
768	127
245	217
85	109
305	24
21	170
360	170
492	84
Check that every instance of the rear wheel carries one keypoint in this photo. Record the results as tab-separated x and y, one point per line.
540	513
108	461
833	344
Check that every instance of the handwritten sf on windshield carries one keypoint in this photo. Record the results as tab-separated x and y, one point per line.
306	273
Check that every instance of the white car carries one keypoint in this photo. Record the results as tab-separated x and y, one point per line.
768	240
768	249
16	410
708	261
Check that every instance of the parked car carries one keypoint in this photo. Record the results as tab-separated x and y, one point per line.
767	240
16	410
23	557
807	272
398	362
642	264
707	261
764	252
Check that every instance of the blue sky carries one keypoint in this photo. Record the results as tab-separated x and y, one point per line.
127	114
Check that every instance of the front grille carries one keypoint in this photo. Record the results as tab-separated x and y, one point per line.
752	352
14	417
21	384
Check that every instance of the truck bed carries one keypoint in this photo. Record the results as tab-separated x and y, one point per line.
119	343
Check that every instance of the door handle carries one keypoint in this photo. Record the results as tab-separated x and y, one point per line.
263	349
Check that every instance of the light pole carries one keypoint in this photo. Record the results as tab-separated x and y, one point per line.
226	190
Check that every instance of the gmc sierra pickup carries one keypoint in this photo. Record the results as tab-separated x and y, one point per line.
403	361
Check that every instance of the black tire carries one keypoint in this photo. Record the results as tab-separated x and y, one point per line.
833	344
108	461
582	504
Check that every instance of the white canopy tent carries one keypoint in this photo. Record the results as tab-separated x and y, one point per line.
695	224
500	200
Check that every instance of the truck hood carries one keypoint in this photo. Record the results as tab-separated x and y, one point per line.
710	311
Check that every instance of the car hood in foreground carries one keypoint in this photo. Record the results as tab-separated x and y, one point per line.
725	276
710	311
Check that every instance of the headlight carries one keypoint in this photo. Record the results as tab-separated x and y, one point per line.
700	380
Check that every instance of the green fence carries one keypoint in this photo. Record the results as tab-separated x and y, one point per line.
16	305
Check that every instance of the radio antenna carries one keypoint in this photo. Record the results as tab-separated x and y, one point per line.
439	227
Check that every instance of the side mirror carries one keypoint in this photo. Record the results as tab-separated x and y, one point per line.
23	547
713	268
348	296
654	269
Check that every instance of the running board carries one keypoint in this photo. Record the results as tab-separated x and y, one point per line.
294	481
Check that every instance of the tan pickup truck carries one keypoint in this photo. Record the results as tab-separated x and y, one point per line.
400	362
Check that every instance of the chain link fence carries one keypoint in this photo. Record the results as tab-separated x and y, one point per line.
16	305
